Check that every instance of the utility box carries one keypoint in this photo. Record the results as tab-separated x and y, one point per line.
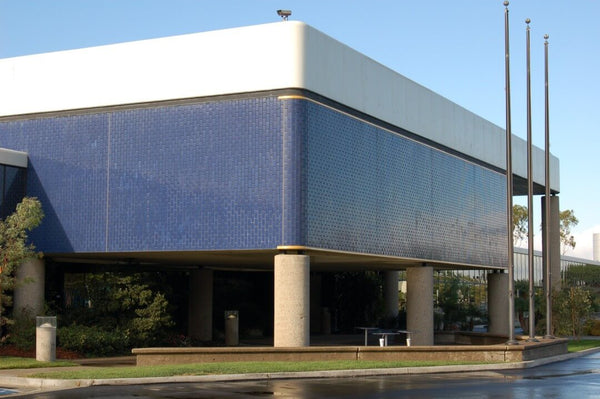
45	338
232	335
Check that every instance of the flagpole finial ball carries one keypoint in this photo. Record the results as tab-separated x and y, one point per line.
546	36
527	21
506	3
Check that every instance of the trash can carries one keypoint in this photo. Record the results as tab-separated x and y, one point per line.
45	338
232	336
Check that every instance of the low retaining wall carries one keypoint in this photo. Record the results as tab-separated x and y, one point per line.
471	353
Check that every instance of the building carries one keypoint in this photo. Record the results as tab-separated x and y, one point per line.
270	147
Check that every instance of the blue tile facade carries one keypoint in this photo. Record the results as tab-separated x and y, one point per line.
187	177
373	191
254	173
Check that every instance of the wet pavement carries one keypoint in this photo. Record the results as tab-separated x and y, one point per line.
579	377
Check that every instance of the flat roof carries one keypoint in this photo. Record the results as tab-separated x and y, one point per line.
249	59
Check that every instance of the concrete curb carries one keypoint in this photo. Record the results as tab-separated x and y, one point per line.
44	384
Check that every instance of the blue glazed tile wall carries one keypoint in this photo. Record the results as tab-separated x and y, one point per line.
373	191
294	179
204	176
67	172
254	173
187	177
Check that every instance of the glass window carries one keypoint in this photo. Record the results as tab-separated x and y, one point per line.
13	189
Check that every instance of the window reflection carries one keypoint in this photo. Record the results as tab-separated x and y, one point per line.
12	188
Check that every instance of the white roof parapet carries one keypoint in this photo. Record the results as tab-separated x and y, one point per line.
262	57
13	158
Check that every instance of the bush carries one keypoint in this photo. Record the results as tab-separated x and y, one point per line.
119	311
93	341
572	308
21	333
594	328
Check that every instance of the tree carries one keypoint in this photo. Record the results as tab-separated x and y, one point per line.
567	221
582	275
130	305
572	310
14	248
519	220
458	300
522	305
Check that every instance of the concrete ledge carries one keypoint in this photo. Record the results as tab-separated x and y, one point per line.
501	353
154	356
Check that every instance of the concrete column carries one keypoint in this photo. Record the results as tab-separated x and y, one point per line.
419	304
200	310
292	301
498	303
390	293
30	288
554	244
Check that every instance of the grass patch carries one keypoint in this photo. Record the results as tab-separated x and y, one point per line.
197	369
231	368
583	344
9	362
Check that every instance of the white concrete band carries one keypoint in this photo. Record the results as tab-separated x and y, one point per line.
13	158
250	59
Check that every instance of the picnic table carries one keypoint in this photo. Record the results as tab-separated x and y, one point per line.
366	330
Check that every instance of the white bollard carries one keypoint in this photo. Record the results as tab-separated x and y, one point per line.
45	339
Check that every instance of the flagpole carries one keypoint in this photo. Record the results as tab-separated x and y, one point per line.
530	193
548	269
509	189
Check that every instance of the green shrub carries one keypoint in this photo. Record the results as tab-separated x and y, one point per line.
93	341
594	328
572	308
21	333
119	311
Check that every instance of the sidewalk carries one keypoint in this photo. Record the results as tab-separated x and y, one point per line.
16	379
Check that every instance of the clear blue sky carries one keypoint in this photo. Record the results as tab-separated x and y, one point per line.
455	48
